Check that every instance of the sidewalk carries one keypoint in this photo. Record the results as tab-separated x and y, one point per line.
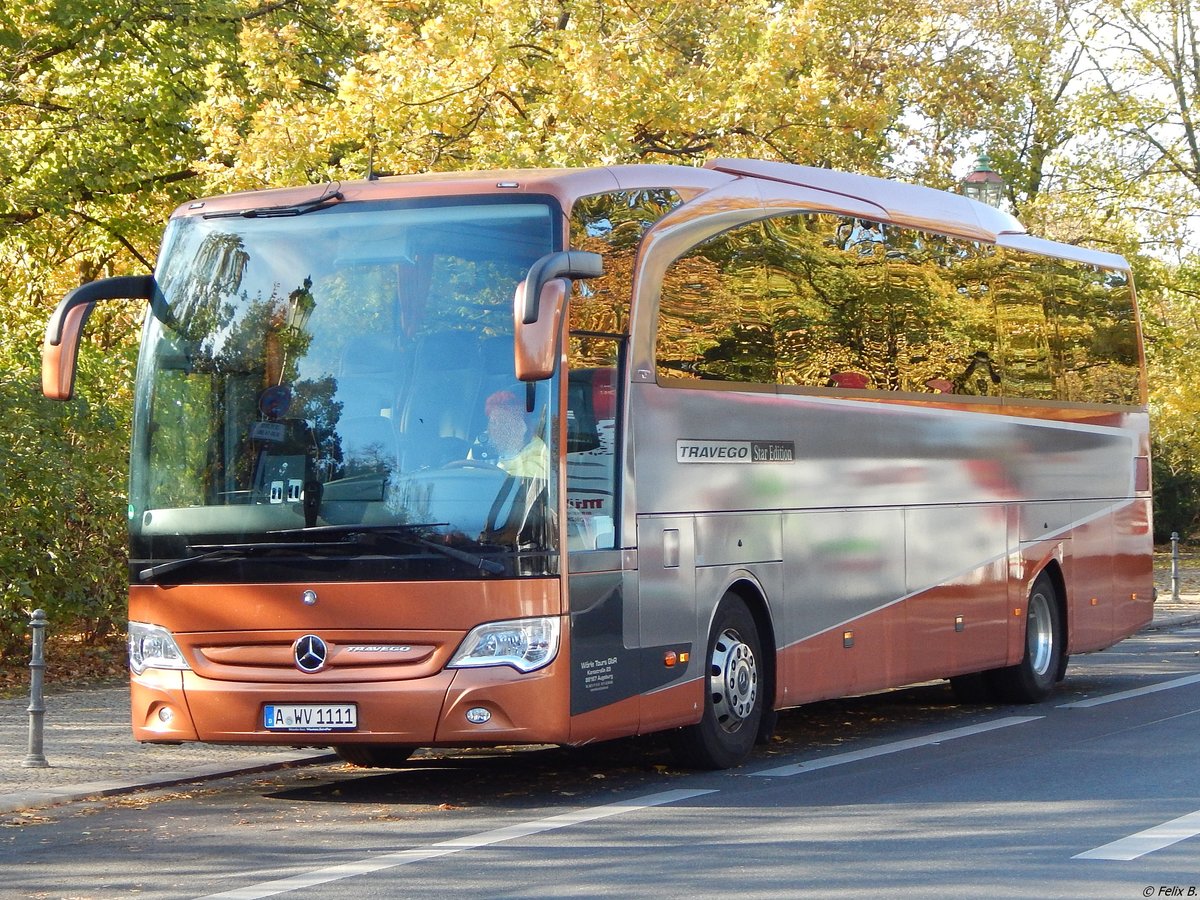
91	753
87	741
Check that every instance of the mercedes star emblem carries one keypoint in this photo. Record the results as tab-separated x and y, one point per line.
311	653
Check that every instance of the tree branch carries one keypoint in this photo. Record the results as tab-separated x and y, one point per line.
124	242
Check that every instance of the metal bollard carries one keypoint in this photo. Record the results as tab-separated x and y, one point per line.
35	759
1174	566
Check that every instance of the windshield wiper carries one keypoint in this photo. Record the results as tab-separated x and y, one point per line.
412	533
349	530
216	551
331	194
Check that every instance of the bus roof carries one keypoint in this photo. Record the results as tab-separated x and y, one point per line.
920	207
565	184
910	205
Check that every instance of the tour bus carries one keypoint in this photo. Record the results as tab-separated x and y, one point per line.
564	455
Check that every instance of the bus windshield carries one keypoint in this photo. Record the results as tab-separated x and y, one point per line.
334	392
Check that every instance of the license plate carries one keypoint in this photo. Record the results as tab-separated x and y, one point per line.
310	717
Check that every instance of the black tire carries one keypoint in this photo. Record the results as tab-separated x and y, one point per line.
374	756
1033	678
733	699
766	726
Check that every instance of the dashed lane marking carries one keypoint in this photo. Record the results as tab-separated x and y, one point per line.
1136	692
841	759
1147	841
392	860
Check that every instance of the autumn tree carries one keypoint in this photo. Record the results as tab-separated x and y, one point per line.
484	84
1145	57
113	112
97	143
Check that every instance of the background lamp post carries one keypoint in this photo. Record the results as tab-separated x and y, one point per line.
983	184
300	307
282	340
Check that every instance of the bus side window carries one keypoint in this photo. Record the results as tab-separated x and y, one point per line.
612	224
1092	336
714	320
591	454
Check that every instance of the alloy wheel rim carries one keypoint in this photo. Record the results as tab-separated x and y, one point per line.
733	680
1039	635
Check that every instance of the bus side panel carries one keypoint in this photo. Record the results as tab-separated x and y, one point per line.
622	680
673	706
840	566
960	623
955	627
669	609
605	665
958	627
1088	573
897	519
616	720
1133	567
1110	577
859	656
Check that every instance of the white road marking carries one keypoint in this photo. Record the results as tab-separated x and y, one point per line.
1147	841
840	759
457	845
1137	692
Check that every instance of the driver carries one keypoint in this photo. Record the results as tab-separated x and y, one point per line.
507	442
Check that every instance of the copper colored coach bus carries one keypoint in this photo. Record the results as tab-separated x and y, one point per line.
556	456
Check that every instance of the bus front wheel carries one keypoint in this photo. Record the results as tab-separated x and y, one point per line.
1033	678
733	699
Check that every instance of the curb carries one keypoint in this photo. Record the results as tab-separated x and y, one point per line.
36	798
1172	621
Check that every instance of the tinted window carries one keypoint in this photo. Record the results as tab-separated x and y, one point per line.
612	225
838	302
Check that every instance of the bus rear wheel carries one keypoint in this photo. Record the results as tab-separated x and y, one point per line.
733	700
374	756
1033	678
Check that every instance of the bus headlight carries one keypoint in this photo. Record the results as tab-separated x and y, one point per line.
524	644
153	647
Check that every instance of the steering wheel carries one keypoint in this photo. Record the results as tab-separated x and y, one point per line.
469	464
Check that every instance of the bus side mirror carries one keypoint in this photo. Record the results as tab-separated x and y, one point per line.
539	305
536	345
60	349
564	264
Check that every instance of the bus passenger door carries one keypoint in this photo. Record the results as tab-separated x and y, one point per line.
602	576
629	608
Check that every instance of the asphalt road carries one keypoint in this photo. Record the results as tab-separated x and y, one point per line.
1094	793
